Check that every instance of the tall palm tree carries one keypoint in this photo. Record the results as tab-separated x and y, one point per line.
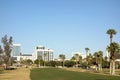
45	54
100	53
113	49
111	32
87	49
62	58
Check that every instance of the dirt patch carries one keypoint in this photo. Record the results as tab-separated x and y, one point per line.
18	74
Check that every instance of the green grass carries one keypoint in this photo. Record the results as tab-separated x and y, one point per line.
60	74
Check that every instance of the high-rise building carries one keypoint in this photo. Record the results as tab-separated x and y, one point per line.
16	51
44	54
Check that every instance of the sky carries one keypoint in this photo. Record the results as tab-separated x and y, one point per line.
64	26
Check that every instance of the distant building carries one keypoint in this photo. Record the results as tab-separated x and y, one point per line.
41	52
26	56
16	51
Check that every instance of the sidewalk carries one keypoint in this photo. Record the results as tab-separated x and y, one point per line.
18	74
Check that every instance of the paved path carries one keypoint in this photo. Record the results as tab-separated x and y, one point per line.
19	74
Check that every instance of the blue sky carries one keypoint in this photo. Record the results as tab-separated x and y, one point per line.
65	26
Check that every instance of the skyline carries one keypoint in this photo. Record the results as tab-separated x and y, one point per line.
65	26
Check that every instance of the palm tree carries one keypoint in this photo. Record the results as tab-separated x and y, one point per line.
100	53
80	59
87	49
111	32
45	54
89	59
76	58
113	49
62	57
39	59
96	59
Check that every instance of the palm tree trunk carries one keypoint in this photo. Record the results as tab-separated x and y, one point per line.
39	63
99	67
44	61
63	63
113	68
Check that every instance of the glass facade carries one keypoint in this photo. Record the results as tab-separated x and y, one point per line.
46	55
16	51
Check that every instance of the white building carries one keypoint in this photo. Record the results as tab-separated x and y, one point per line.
26	56
45	54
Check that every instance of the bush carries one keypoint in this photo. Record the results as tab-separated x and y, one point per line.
69	63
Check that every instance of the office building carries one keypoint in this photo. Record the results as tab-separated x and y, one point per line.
44	54
16	52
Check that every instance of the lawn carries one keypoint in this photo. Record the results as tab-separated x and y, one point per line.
60	74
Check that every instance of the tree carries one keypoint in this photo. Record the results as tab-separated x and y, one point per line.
80	59
100	56
7	45
76	58
96	59
111	32
39	58
87	49
62	58
113	49
89	59
1	51
45	54
69	63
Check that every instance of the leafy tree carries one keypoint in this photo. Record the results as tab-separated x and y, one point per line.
51	63
69	63
26	62
1	52
7	45
37	62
